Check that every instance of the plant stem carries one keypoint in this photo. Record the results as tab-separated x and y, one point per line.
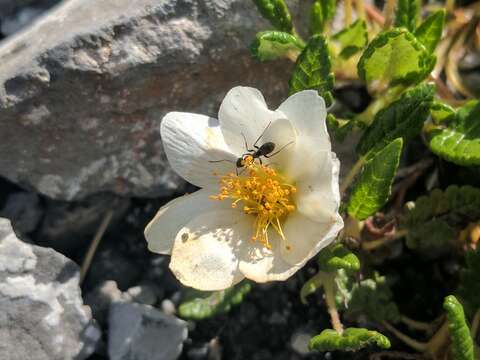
347	12
359	7
329	287
389	10
438	341
475	324
94	244
414	344
416	325
371	245
347	181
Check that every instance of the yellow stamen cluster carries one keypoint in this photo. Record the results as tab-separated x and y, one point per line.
264	193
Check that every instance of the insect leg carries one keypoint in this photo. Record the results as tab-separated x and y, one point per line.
263	133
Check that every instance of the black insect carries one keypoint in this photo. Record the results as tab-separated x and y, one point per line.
265	150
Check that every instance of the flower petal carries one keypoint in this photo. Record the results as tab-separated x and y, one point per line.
307	112
262	265
163	228
316	178
244	113
205	253
191	143
307	237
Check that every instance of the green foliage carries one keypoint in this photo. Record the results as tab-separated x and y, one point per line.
321	13
407	14
339	128
469	289
336	257
435	220
394	57
352	39
351	339
430	31
462	343
372	189
313	69
460	141
371	297
441	112
203	305
271	44
310	287
276	11
402	118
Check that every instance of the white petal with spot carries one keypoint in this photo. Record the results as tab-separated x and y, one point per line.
206	249
163	228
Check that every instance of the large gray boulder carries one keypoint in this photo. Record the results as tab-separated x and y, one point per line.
42	315
83	89
141	332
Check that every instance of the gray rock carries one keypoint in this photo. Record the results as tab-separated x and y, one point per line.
146	294
42	315
100	298
140	332
82	90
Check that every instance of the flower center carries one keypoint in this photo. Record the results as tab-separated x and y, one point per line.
262	192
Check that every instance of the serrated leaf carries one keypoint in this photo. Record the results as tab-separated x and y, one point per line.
203	305
321	12
402	118
394	57
372	297
352	339
469	289
434	235
441	112
460	141
338	128
435	220
372	190
352	39
269	45
462	343
313	69
430	31
336	257
276	11
407	14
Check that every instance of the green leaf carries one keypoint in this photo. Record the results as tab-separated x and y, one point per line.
434	236
430	31
373	298
276	11
322	11
460	141
394	57
352	339
203	305
336	257
352	39
372	189
270	45
435	220
441	112
402	118
339	128
311	286
462	343
469	289
313	69
407	14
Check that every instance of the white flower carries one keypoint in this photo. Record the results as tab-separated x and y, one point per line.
266	222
